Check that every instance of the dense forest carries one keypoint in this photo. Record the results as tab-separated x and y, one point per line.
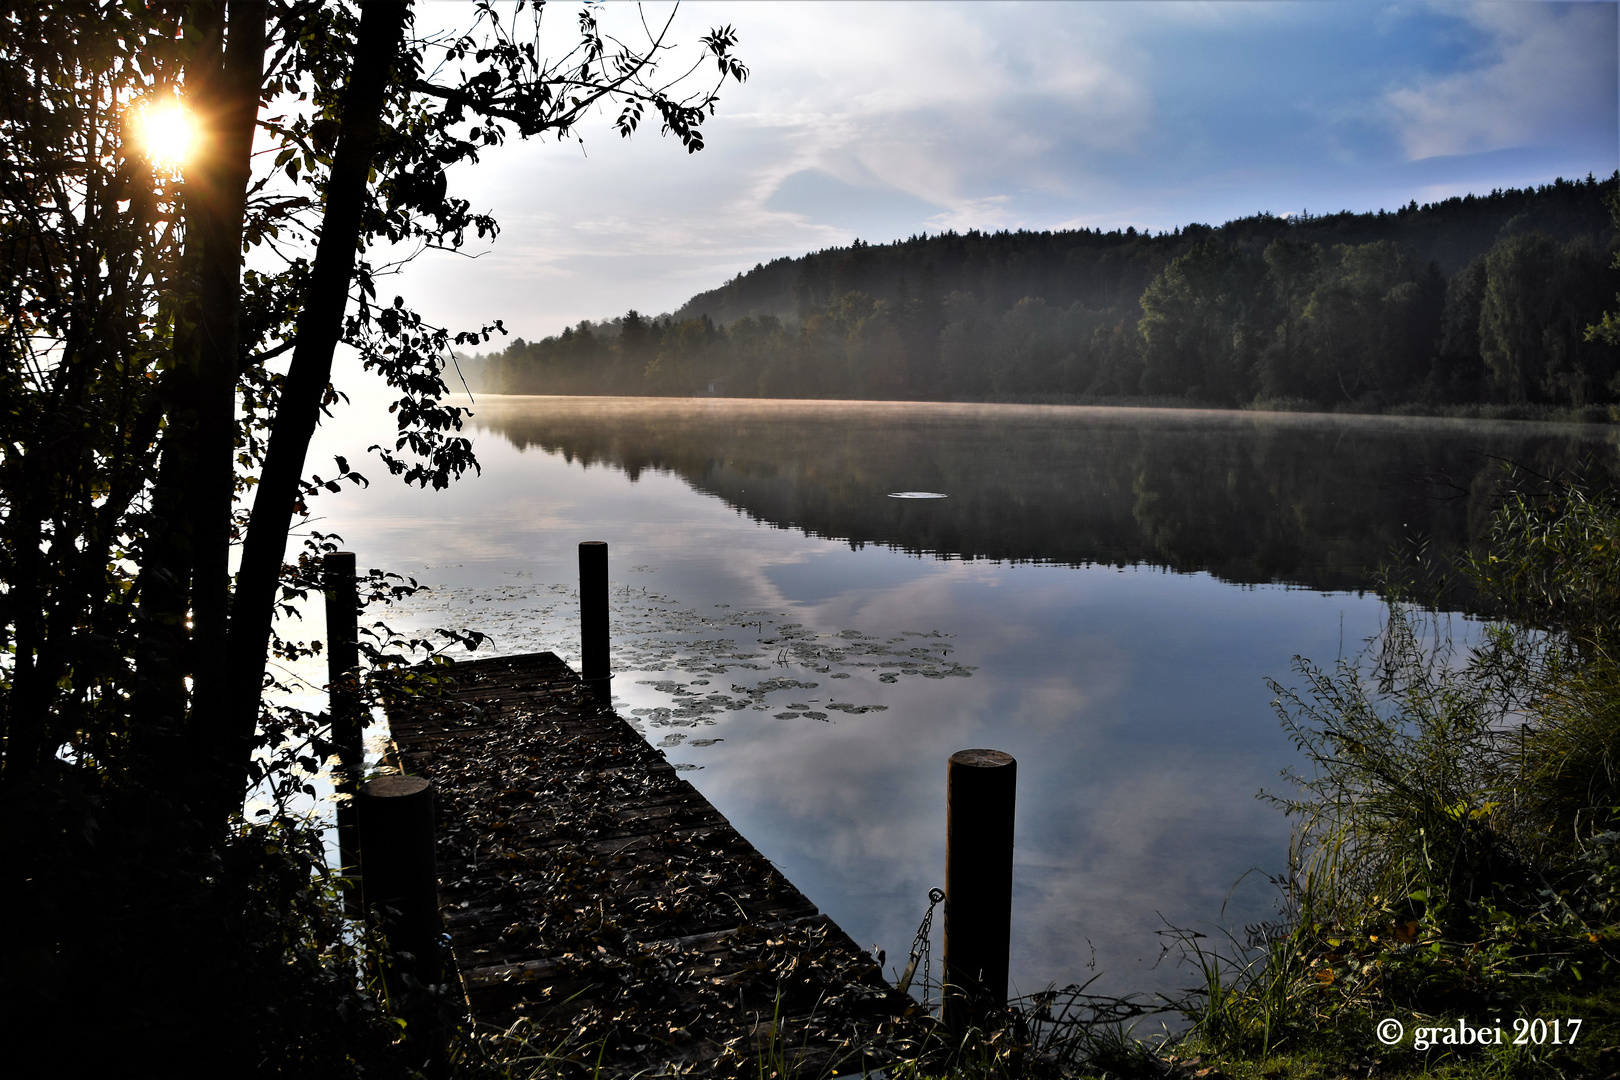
1471	300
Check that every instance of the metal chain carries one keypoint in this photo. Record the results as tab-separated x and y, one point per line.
921	949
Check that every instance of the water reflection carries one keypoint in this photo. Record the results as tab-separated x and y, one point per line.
1148	581
1316	501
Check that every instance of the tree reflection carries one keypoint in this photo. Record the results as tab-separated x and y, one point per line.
1315	501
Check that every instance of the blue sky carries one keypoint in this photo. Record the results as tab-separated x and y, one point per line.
882	120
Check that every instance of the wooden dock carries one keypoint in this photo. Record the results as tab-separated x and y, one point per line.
591	891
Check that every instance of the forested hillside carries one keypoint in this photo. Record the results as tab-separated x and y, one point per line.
1472	300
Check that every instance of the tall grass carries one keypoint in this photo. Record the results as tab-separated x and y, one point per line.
1454	850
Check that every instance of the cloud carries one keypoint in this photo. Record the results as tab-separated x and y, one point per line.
880	121
1547	68
952	108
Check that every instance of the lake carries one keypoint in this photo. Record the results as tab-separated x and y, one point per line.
1102	593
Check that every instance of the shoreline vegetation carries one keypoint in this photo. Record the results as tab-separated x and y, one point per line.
1456	864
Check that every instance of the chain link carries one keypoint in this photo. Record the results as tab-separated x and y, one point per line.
921	949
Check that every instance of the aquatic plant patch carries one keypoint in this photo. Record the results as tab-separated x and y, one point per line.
762	654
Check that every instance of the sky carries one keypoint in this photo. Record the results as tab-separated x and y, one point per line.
880	121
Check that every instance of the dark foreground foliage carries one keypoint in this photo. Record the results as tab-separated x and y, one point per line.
142	951
158	397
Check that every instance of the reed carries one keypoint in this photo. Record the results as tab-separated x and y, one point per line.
1455	853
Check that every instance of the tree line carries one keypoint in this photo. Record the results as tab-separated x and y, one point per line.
1476	299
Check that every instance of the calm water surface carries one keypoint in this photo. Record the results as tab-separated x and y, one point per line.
1102	594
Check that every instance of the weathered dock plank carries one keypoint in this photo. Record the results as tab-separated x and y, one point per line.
590	890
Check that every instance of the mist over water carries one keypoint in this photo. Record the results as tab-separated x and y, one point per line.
1102	593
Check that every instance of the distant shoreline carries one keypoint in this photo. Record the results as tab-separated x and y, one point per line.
1531	413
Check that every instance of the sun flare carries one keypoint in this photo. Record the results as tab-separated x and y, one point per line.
168	132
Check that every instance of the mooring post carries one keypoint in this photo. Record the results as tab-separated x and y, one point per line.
595	669
400	882
343	705
399	876
980	788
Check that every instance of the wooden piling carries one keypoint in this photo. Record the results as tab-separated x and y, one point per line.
981	787
343	703
400	879
595	668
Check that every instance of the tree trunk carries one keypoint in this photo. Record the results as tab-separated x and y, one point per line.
229	739
169	550
230	115
185	570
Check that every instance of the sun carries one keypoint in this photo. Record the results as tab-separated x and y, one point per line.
167	131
